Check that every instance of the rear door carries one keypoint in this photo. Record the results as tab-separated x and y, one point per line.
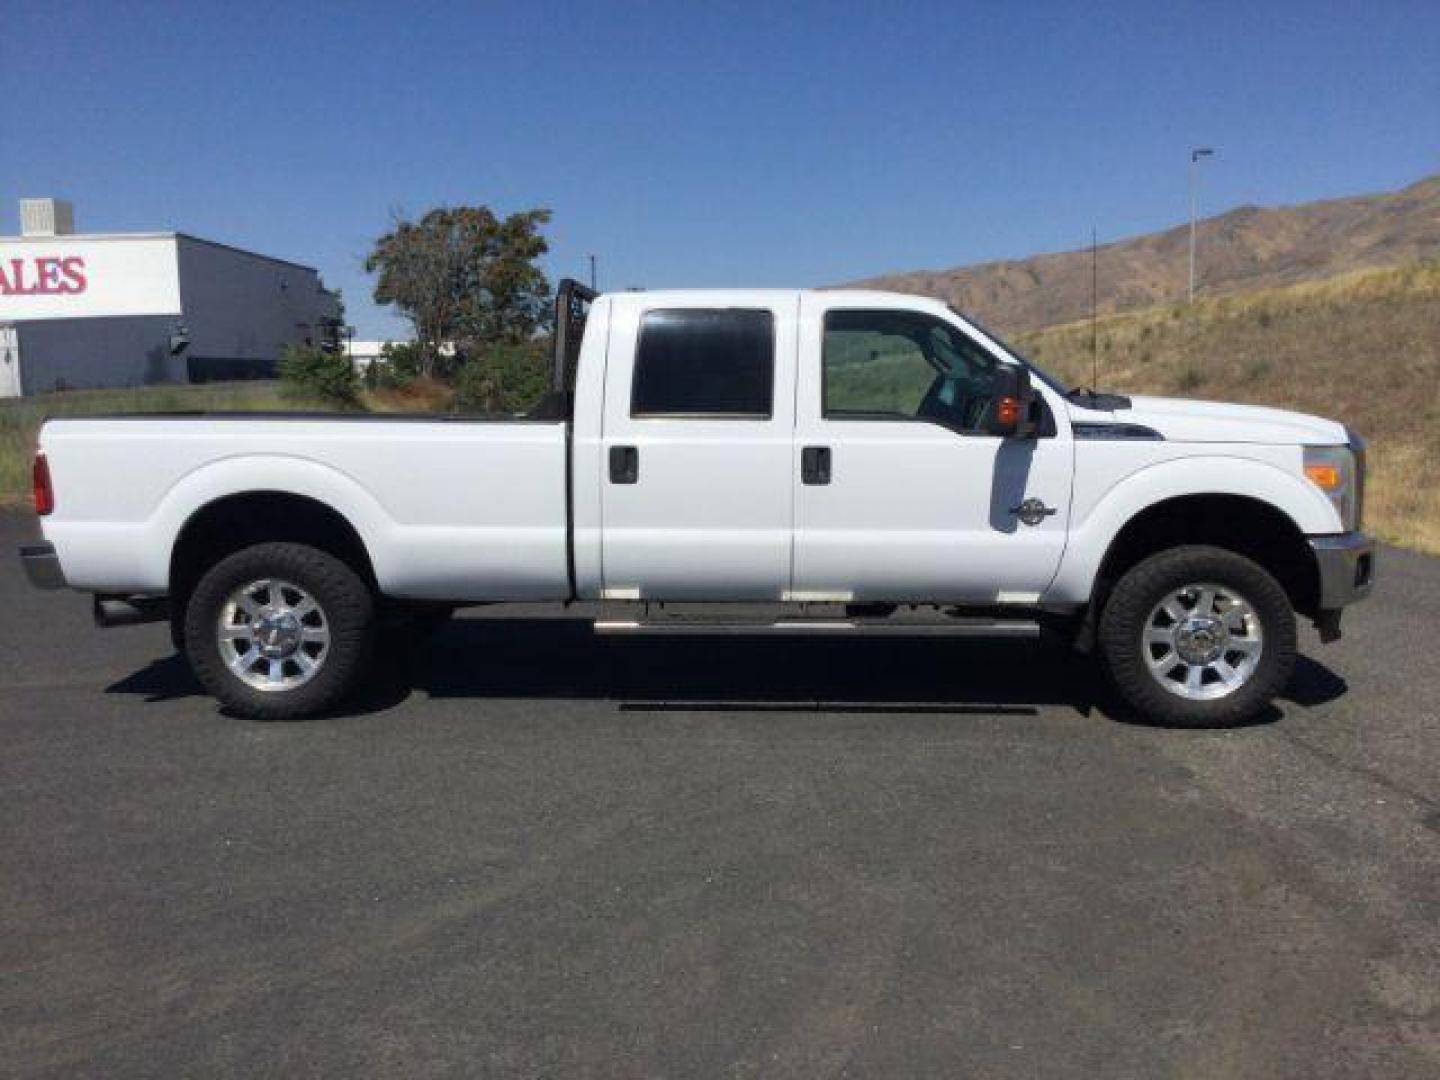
915	500
696	485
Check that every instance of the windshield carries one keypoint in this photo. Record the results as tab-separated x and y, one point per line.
1043	375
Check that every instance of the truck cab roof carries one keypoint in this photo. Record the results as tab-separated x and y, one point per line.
743	297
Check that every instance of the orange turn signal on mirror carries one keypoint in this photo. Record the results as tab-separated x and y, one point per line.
1007	411
1324	476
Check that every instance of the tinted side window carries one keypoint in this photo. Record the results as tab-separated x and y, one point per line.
904	365
693	362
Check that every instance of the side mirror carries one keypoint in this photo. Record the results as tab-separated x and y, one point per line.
1010	402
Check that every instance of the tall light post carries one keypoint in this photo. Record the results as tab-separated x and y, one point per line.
592	270
1195	156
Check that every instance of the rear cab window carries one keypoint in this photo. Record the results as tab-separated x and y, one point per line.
716	363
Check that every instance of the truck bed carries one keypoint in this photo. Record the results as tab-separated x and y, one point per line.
453	509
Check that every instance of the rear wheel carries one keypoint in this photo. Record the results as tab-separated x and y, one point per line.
1198	637
279	631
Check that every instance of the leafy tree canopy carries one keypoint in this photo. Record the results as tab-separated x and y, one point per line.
463	274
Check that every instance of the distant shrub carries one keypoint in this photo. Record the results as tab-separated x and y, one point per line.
398	363
1191	378
327	377
502	378
1264	318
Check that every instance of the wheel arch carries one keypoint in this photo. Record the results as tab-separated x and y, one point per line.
232	522
1248	526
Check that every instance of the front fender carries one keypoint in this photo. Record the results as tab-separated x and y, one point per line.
1209	474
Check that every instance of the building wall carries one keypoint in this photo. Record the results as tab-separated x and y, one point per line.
99	310
242	309
74	354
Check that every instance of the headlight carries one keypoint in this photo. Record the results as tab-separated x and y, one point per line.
1332	470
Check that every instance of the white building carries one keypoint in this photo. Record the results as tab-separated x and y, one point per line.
363	353
125	309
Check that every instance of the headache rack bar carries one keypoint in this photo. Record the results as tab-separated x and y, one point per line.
572	307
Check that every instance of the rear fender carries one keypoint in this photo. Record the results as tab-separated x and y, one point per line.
271	472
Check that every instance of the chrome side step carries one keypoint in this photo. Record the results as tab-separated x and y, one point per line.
954	627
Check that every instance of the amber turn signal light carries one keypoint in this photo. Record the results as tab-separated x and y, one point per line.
1323	476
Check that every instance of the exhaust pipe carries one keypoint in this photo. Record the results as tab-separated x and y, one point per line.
129	610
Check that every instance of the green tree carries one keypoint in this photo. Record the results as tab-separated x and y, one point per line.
503	378
462	273
310	373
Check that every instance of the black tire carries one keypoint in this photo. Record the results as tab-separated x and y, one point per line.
348	606
1126	656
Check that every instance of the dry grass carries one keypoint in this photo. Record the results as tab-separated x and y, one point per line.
1363	348
423	395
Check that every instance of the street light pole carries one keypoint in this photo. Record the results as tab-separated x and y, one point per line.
1195	156
592	271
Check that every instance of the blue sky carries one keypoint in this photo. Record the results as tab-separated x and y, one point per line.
707	144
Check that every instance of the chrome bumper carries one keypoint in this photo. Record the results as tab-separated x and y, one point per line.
42	566
1346	564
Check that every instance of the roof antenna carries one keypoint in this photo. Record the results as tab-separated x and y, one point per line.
1094	308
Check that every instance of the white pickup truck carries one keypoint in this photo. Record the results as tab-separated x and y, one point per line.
745	461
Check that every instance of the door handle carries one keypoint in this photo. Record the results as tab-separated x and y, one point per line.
1032	511
815	465
624	465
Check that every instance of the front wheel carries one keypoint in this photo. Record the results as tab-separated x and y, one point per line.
279	631
1198	637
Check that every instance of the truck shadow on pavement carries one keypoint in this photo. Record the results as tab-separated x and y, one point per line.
552	659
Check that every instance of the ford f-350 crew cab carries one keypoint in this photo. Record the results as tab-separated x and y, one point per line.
850	461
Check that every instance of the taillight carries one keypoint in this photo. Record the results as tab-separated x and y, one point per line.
44	491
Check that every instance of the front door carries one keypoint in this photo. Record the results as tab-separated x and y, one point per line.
695	460
916	500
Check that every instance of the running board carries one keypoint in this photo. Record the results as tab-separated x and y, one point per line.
987	628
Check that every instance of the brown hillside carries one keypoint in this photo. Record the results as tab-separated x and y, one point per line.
1248	248
1363	348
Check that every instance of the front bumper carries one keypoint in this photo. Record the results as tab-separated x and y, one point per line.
42	566
1346	565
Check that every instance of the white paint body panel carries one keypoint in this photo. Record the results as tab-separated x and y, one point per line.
1184	421
1114	481
476	510
447	510
710	518
915	511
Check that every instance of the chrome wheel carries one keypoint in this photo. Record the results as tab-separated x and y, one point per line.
1203	641
273	635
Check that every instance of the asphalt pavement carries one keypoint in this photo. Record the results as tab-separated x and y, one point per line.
529	852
